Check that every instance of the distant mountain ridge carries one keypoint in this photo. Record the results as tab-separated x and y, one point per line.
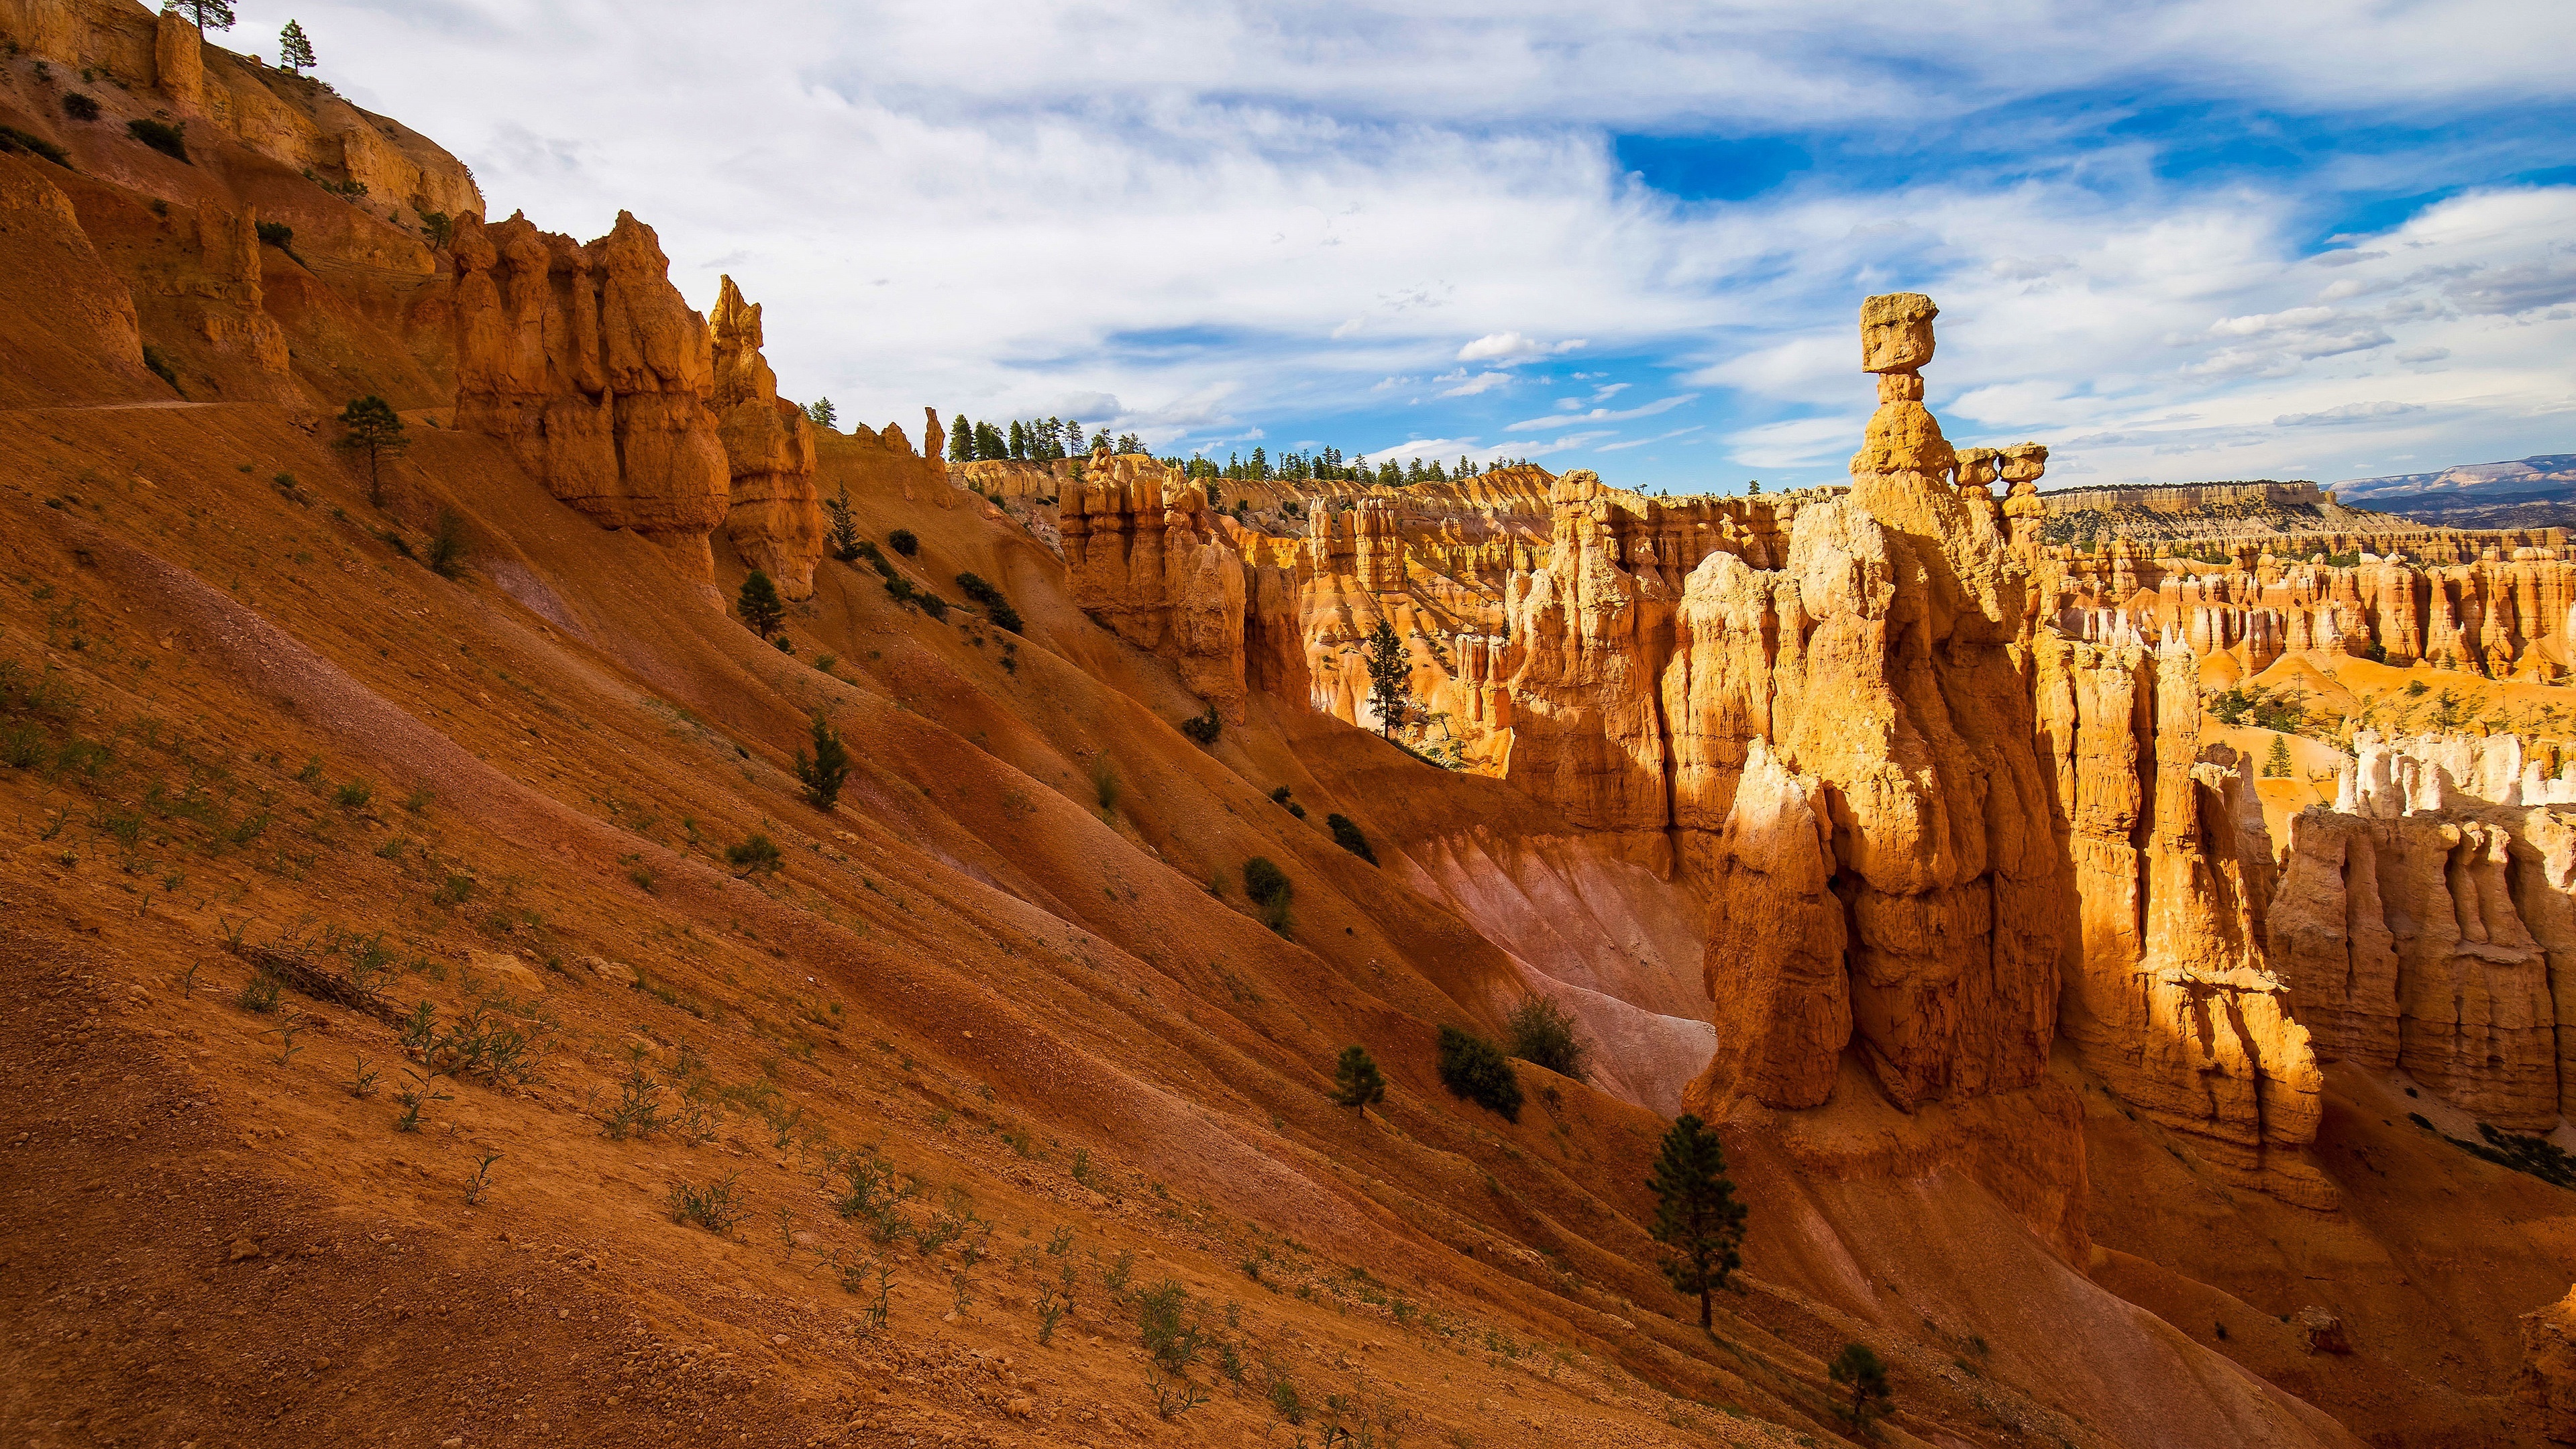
2534	492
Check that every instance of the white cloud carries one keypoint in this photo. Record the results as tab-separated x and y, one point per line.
1511	347
2348	413
1602	415
1482	382
1644	442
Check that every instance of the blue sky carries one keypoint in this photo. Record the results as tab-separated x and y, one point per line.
2178	241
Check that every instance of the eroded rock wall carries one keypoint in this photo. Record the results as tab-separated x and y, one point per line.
1150	560
2437	942
588	363
775	515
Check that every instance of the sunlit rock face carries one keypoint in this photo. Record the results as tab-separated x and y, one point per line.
586	360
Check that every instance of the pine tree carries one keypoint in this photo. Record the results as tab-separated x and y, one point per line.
1390	671
294	49
830	766
961	441
1019	440
1860	1369
2276	765
370	424
1356	1081
208	14
758	605
822	413
1696	1214
843	539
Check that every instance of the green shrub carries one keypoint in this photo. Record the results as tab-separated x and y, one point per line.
279	235
446	555
1348	837
80	107
1543	1032
996	608
715	1207
1475	1069
13	139
1162	1321
161	136
757	854
1270	889
903	542
1204	728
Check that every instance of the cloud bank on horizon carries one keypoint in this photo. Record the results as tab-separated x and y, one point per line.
2173	241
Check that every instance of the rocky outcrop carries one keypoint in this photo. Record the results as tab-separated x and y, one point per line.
2545	1394
1150	560
91	348
775	518
2170	998
1775	966
586	361
2409	941
289	119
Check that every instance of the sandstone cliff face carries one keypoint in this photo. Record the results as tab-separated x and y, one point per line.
288	119
775	518
588	363
2436	942
1148	559
2169	996
91	346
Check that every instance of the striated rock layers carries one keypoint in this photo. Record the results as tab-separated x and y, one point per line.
2170	996
1150	560
775	519
2441	942
588	363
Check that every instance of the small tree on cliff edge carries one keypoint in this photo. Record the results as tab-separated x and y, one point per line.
1356	1081
1696	1214
758	604
370	425
1390	677
830	766
294	49
821	413
208	14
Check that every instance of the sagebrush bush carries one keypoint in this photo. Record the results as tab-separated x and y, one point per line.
1543	1032
1475	1069
903	542
1270	889
1347	835
161	136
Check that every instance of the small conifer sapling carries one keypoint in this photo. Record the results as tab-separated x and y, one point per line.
1696	1214
1390	672
759	606
829	767
1357	1083
1858	1371
370	425
844	536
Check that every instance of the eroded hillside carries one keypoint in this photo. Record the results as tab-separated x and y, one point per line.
442	1014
